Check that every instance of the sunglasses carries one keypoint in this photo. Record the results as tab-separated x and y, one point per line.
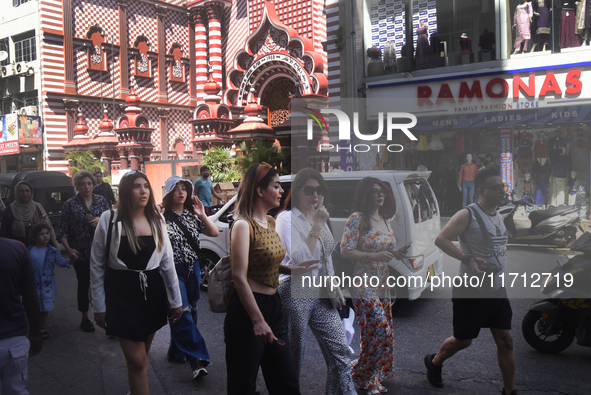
378	192
497	188
263	169
309	191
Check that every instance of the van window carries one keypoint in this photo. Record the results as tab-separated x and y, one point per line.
421	199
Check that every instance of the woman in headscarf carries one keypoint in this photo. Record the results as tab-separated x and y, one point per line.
22	214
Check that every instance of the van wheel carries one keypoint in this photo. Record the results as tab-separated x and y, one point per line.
207	263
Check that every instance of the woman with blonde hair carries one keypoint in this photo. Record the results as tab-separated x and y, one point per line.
254	332
133	278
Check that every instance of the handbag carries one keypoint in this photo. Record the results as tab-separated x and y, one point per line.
221	287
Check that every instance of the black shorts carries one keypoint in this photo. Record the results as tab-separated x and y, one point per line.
470	315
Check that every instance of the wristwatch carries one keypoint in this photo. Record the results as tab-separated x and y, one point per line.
466	259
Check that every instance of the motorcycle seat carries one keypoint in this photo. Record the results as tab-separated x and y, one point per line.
538	216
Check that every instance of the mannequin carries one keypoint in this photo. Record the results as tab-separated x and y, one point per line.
486	42
422	52
468	172
573	187
436	49
542	10
541	148
452	195
528	188
560	171
522	23
465	43
541	176
579	154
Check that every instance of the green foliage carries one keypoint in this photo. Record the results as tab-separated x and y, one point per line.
221	165
260	151
84	161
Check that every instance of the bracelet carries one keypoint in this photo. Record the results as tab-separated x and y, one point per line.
315	235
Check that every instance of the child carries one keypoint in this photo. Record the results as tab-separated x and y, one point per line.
43	258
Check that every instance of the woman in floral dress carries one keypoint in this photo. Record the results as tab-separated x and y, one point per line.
369	241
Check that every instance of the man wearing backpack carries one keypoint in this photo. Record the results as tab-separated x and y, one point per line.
482	252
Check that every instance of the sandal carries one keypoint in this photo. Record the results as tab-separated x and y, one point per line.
382	389
44	334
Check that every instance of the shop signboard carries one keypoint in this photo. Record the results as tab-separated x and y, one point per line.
507	157
29	130
9	135
535	89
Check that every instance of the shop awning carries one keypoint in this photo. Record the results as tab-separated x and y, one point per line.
539	116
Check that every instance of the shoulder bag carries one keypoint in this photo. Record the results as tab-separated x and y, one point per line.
221	287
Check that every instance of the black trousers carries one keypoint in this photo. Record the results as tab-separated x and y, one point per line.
245	353
83	275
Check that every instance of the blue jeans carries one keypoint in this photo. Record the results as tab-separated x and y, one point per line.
185	339
468	192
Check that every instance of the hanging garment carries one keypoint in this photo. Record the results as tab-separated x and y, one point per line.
542	7
541	149
390	55
436	143
568	38
423	144
580	17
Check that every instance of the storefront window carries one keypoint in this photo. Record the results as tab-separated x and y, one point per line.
445	33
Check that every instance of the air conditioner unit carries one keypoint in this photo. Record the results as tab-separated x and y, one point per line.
30	111
21	67
8	70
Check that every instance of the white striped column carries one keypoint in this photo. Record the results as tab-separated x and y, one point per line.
214	18
200	54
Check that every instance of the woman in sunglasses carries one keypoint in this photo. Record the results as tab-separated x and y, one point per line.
369	241
254	332
186	220
133	279
305	233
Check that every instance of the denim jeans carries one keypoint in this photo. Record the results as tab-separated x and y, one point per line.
185	339
468	192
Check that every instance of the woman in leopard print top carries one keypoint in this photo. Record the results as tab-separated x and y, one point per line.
186	219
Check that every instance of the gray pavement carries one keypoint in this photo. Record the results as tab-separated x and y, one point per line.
74	362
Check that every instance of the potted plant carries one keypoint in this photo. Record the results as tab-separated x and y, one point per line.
376	66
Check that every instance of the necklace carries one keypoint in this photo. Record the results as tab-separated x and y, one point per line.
377	220
260	221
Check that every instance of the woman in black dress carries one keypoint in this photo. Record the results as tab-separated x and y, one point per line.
133	276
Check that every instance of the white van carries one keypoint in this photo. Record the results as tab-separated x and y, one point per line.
417	219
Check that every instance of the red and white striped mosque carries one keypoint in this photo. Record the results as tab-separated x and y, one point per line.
167	80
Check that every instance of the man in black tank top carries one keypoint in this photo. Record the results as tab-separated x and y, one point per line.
482	252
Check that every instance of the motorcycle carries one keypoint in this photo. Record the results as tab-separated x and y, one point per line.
555	226
551	325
